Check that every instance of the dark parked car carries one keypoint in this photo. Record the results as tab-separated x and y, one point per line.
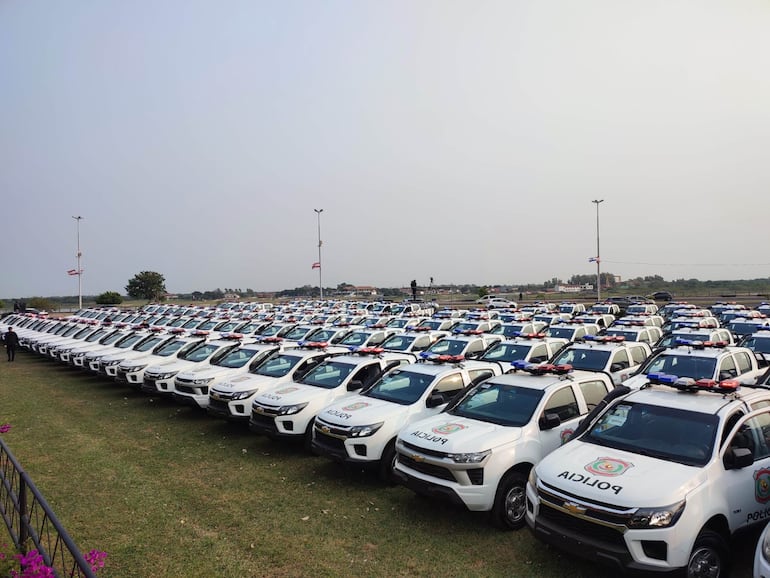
662	296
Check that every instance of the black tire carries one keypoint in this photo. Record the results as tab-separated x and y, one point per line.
387	461
510	508
710	557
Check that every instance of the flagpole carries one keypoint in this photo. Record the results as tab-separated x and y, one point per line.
80	271
320	282
598	258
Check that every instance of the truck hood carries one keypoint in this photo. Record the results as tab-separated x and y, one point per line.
617	477
360	410
452	434
204	372
249	381
291	393
168	367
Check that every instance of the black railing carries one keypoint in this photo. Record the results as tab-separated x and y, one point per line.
31	522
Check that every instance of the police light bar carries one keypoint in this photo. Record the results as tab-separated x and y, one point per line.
155	329
467	332
422	328
366	350
604	338
662	378
233	336
199	332
314	344
542	368
270	339
530	335
176	330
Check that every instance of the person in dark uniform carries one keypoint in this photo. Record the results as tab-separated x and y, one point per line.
11	343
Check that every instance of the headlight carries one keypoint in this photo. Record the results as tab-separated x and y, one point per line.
766	546
243	394
291	409
203	381
470	458
111	363
165	375
130	368
361	431
657	517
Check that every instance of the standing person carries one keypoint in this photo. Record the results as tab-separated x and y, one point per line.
11	342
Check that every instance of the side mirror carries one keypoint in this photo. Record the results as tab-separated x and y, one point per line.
549	421
435	399
355	385
737	458
615	367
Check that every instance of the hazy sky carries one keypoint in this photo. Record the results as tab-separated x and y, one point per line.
463	140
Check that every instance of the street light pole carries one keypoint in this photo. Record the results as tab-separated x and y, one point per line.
80	272
598	254
320	268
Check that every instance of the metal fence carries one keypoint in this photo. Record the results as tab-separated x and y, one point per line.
31	523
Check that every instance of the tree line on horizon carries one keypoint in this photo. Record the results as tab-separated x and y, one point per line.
150	286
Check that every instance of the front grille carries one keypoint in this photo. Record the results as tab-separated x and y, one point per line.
259	409
329	430
263	420
425	468
427	452
582	527
218	404
335	445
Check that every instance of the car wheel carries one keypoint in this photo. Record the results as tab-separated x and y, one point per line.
388	462
510	505
710	557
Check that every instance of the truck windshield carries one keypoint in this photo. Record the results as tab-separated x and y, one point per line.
675	435
505	405
584	358
682	365
507	352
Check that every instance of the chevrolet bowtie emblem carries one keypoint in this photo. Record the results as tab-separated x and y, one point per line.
325	429
417	458
574	508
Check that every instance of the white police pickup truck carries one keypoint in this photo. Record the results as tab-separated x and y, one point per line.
191	387
610	354
531	347
478	452
231	398
660	479
703	360
131	371
362	429
159	379
288	411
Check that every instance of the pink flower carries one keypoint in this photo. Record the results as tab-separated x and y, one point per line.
5	428
95	559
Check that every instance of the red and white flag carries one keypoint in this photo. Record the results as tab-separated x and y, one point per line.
316	265
74	272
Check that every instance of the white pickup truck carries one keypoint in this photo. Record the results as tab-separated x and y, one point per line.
478	452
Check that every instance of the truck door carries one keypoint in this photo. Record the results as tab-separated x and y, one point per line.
748	487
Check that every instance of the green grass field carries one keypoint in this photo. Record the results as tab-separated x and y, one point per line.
168	491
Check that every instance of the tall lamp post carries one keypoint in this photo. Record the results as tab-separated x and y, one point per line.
320	282
80	271
597	202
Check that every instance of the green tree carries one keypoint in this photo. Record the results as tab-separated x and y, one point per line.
109	298
147	285
483	292
42	303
